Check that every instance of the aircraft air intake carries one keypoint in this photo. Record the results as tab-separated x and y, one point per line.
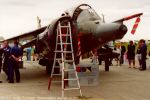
123	29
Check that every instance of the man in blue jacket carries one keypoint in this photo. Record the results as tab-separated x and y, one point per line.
16	54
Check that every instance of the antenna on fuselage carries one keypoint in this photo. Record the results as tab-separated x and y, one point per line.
103	18
38	22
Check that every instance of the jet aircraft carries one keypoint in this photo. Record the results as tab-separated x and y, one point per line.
86	24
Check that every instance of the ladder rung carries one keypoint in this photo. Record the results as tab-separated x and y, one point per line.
70	79
65	43
56	66
71	89
58	51
63	51
68	51
58	59
68	60
67	70
64	26
64	35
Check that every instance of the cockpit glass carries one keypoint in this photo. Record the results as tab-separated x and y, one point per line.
88	14
84	7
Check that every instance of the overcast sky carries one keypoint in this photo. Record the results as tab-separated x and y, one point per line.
19	16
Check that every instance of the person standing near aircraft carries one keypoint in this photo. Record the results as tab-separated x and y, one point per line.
16	54
117	50
131	54
123	50
94	56
143	54
6	58
138	53
28	54
1	53
107	59
33	53
99	51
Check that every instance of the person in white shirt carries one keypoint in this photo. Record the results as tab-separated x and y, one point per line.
138	54
117	49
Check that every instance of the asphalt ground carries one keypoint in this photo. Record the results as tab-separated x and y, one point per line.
120	83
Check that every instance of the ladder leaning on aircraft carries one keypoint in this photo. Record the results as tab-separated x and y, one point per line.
64	41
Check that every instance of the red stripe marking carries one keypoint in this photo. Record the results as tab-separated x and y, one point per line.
135	25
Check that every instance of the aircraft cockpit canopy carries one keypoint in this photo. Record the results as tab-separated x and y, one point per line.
88	15
83	12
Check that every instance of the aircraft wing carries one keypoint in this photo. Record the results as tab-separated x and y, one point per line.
27	36
29	44
129	17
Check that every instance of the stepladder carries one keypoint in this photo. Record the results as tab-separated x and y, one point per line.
63	56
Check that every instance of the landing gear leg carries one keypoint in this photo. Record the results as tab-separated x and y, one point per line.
107	65
77	60
49	67
48	70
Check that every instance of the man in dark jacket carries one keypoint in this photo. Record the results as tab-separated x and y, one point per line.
123	50
105	54
99	51
131	54
7	55
1	53
143	54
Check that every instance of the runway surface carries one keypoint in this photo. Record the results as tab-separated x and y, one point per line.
120	83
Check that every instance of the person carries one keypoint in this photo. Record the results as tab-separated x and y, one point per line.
28	54
131	54
108	54
143	54
123	50
104	54
138	53
33	53
16	54
99	51
1	53
0	80
6	58
117	50
94	56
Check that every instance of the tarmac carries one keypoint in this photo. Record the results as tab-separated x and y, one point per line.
120	83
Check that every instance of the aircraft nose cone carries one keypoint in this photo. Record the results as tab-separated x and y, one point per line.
123	29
